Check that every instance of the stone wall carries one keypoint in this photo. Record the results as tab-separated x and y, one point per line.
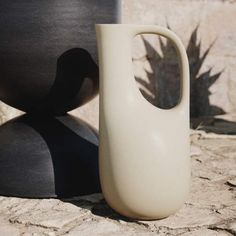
213	81
215	33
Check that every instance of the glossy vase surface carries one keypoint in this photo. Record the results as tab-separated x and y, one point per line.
144	158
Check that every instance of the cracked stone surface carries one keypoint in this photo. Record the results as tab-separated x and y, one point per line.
210	209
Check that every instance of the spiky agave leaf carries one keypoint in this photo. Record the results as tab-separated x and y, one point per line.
200	83
162	88
160	91
147	87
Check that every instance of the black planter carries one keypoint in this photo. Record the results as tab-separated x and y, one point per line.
48	157
48	66
48	59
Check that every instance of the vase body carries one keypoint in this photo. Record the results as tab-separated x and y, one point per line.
144	156
48	59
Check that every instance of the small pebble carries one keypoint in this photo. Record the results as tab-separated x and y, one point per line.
50	234
122	222
232	183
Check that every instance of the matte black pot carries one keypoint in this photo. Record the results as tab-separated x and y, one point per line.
43	157
48	59
48	66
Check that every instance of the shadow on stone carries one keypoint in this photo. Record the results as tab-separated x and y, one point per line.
163	86
214	125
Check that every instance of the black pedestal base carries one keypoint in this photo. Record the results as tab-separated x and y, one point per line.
47	157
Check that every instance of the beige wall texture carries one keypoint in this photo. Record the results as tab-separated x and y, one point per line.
215	91
213	76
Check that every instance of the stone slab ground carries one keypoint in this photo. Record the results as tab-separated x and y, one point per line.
210	209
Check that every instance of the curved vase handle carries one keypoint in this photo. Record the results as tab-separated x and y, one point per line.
151	29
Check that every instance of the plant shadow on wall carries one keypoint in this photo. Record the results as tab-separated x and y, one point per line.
162	88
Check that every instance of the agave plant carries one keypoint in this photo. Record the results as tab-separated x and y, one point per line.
163	86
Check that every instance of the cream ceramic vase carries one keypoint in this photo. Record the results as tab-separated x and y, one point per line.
144	151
